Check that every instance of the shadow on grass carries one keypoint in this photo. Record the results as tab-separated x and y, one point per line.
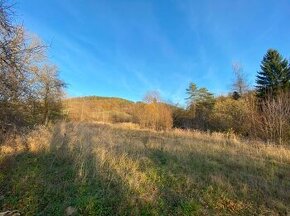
220	184
46	183
218	181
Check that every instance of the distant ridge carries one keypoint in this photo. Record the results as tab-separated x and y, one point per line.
98	98
99	108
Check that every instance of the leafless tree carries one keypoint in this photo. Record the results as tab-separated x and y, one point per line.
240	84
276	118
22	73
152	96
49	90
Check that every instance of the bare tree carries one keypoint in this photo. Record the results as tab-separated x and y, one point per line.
152	96
50	91
268	119
22	74
276	118
19	56
6	12
240	84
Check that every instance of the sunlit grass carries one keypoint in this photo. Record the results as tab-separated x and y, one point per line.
119	169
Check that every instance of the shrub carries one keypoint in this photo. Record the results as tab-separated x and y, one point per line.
155	115
229	114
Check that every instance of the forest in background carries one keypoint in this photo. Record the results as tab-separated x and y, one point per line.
31	93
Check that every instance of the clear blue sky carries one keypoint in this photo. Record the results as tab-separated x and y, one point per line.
125	48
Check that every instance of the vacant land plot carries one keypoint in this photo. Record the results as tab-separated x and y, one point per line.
98	169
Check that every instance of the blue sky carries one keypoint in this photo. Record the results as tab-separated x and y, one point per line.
124	48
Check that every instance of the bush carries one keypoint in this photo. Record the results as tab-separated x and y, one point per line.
229	114
275	118
155	115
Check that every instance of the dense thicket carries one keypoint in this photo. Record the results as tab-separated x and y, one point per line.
30	88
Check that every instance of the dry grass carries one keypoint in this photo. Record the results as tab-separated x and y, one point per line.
120	169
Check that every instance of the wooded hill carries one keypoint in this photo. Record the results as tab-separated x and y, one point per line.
95	108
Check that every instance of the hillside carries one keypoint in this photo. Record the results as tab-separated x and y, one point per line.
209	134
101	169
94	108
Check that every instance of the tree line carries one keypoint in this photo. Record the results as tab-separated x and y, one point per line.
262	112
30	87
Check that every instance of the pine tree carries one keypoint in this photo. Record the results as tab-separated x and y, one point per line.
198	96
200	103
274	75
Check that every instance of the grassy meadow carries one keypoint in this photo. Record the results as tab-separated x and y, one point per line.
103	169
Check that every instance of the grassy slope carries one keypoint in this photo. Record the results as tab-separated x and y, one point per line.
106	170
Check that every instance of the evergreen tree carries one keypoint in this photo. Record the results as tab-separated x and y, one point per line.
198	96
191	91
274	75
200	103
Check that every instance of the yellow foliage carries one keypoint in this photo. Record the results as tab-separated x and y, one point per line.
229	114
154	115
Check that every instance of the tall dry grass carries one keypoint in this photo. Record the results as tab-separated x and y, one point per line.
174	172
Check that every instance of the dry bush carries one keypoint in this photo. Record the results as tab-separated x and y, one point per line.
268	119
275	117
155	115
